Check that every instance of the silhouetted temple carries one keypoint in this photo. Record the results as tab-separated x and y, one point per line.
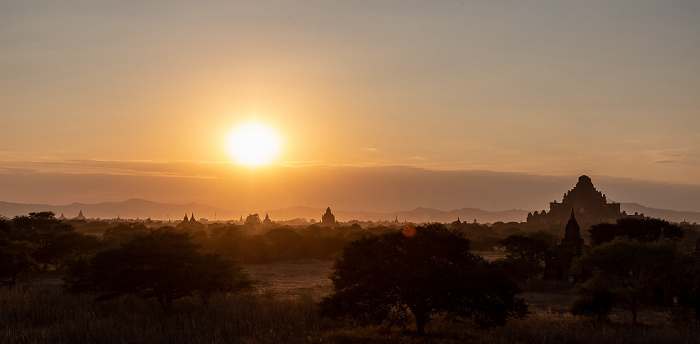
189	223
267	221
328	218
591	207
557	264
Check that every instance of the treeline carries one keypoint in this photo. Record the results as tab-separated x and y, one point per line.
41	242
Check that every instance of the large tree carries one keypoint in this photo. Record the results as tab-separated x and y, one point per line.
426	270
56	242
631	269
165	265
525	254
15	258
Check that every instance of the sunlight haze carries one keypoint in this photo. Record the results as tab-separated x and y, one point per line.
93	91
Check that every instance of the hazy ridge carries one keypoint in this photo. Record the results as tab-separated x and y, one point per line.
143	209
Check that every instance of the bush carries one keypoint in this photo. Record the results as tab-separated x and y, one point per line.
596	303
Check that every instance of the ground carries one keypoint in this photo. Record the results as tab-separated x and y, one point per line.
283	310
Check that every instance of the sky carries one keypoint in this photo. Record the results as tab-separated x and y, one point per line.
108	93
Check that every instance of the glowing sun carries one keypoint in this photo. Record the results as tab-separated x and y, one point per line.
253	144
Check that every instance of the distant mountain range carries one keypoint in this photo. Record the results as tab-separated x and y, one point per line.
143	209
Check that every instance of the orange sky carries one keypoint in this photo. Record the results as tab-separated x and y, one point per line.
543	88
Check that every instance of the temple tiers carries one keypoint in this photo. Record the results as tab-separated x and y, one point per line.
328	218
591	207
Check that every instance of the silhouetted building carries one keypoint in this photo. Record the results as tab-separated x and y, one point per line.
80	216
591	207
61	217
190	224
557	264
328	219
267	221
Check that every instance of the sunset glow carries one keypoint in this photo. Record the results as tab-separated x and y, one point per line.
361	104
253	144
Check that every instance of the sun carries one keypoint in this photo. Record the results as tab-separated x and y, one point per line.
253	144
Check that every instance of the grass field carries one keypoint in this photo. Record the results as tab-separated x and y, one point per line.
301	278
283	310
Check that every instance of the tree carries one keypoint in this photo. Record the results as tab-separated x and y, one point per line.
164	264
646	229
525	253
124	232
631	269
15	258
590	303
253	221
425	270
54	241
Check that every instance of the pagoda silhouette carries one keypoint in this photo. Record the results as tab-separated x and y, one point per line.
557	263
590	205
328	219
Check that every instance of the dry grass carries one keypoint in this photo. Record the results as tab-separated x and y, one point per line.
307	278
540	327
48	315
284	311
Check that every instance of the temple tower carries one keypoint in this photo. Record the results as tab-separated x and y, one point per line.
328	219
557	265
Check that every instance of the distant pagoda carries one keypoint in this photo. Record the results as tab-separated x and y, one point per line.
591	207
267	222
557	264
328	219
190	223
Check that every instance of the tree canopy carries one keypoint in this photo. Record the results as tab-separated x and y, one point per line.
631	269
164	264
641	229
525	254
425	270
40	240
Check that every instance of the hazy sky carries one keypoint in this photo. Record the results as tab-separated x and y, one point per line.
606	88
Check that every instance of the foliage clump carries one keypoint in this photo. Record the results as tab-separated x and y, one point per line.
164	264
641	229
634	271
593	303
525	254
39	241
426	270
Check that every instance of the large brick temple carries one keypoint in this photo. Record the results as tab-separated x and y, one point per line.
590	205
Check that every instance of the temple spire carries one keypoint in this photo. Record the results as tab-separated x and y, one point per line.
572	230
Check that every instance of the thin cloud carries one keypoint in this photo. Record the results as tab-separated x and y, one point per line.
125	168
668	156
